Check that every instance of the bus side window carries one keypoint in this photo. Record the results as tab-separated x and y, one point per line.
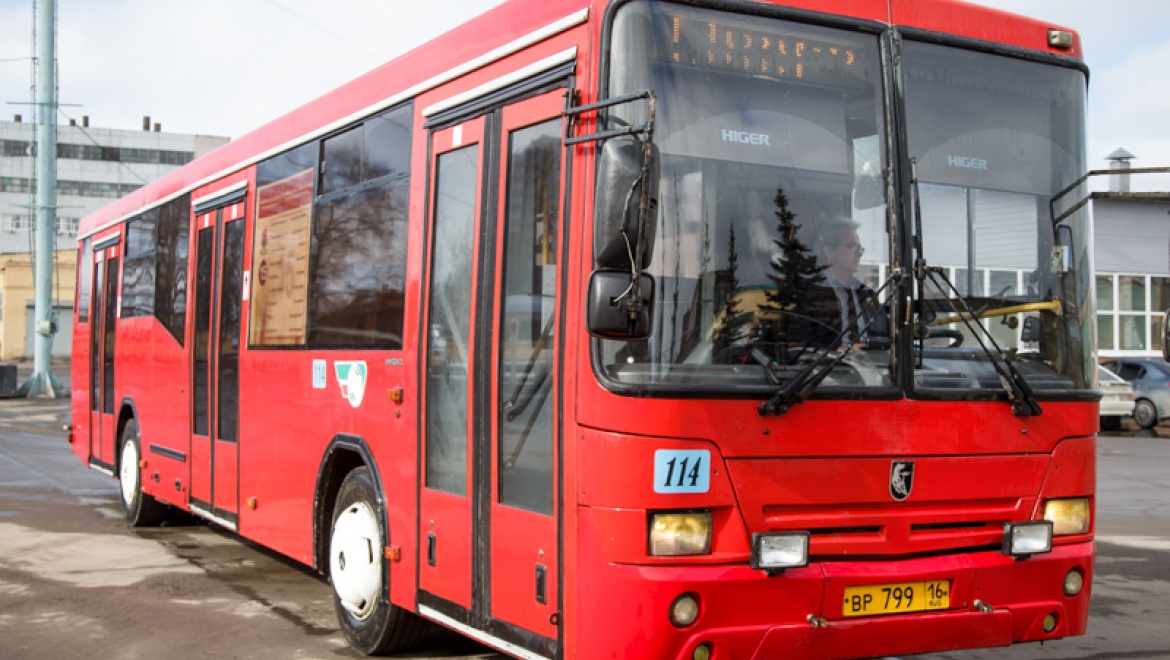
84	280
358	280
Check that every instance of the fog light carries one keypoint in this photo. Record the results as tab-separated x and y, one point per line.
677	534
1073	583
1050	622
776	552
702	652
1027	539
1068	516
684	610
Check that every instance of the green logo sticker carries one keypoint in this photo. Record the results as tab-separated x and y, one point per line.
351	377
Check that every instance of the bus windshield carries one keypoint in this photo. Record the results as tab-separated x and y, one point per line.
771	244
993	139
774	233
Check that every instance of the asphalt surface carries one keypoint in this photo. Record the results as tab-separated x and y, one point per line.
1129	618
77	582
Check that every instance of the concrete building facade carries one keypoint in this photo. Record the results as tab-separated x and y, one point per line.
94	167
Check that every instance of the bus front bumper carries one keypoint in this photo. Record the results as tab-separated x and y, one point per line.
995	600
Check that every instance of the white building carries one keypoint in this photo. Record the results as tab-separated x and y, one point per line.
94	167
1131	230
1133	271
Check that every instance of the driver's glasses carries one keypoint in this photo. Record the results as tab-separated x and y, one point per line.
854	247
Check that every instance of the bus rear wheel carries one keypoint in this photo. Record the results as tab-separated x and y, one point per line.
140	509
370	622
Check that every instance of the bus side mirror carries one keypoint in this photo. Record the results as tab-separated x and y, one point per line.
619	193
609	314
1166	335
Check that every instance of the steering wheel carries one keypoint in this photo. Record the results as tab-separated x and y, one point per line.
955	336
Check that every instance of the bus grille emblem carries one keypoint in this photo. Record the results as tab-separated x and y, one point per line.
901	479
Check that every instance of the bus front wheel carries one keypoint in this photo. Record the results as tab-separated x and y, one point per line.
372	624
140	509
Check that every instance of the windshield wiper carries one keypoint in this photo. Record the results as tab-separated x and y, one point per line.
919	261
767	363
1023	399
802	385
1020	394
806	381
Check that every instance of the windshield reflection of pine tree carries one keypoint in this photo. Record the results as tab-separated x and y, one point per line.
773	316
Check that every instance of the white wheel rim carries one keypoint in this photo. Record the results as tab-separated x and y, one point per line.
355	559
128	474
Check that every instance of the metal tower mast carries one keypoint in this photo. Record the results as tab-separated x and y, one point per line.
43	383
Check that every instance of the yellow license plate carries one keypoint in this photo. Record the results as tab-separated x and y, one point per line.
897	598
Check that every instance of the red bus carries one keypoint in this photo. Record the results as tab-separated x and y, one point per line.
633	329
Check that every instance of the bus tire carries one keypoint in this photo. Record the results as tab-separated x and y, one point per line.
140	509
371	623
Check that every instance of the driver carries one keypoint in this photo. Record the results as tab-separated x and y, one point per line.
840	303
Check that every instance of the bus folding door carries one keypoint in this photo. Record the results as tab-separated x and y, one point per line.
219	264
490	547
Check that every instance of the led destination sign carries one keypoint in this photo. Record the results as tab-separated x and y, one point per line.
778	50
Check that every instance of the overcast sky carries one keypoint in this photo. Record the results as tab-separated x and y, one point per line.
253	60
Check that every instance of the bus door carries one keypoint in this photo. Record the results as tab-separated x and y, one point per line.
218	294
104	315
451	350
495	567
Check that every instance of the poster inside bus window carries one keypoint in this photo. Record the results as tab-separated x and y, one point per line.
280	261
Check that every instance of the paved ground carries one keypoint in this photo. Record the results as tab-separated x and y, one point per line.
1131	588
76	582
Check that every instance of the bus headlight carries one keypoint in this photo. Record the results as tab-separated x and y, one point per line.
776	552
1068	516
677	534
1026	539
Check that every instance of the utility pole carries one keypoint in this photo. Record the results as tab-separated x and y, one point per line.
43	383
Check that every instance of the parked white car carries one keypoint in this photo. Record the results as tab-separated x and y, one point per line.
1118	401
